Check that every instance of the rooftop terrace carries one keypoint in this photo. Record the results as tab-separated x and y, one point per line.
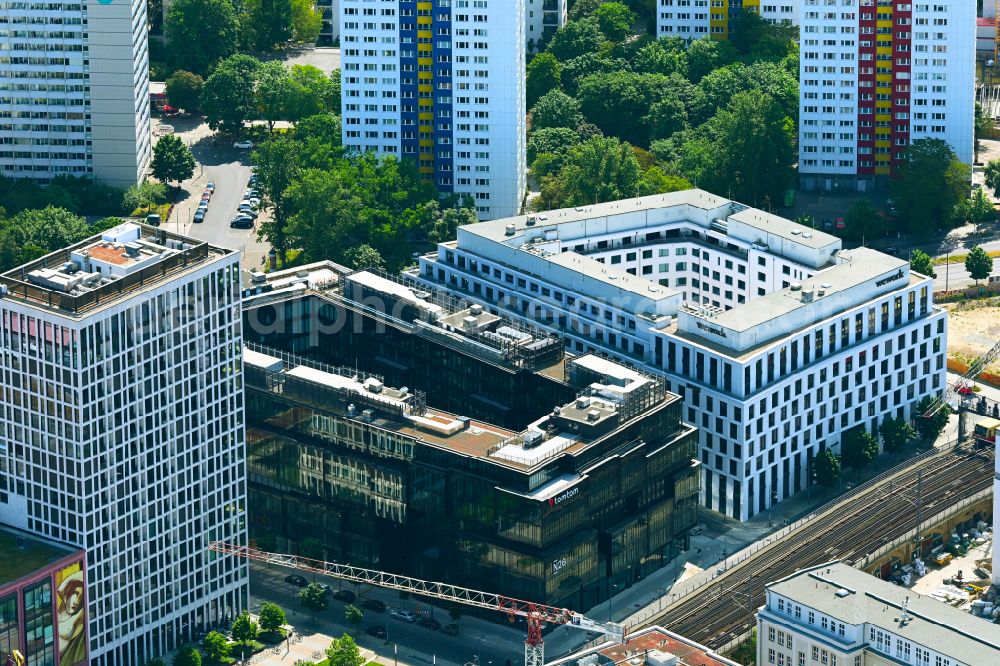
22	554
105	268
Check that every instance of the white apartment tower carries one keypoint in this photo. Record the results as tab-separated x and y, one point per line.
777	338
121	429
694	19
74	90
440	82
875	75
541	20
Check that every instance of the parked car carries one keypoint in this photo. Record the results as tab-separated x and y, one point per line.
210	187
243	145
207	194
250	192
326	588
199	217
296	580
249	203
450	630
247	212
403	615
376	631
241	222
893	250
153	220
345	595
429	623
374	605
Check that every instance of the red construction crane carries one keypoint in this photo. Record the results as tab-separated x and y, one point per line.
536	616
962	387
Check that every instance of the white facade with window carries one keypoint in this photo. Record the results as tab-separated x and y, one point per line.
74	91
122	432
440	82
777	339
694	19
835	615
541	19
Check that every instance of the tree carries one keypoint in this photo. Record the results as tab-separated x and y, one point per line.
921	262
344	651
454	613
313	597
322	129
575	39
979	264
273	92
184	90
335	91
665	118
826	467
858	448
444	226
307	21
976	209
744	152
271	617
705	55
364	257
201	32
655	180
277	167
601	169
931	427
575	70
155	661
619	102
663	56
34	233
992	176
554	140
542	75
217	648
172	160
353	615
310	93
555	109
863	220
187	656
930	183
244	628
896	433
615	20
272	23
144	195
228	97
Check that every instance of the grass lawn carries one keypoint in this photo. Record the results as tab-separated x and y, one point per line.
162	209
960	258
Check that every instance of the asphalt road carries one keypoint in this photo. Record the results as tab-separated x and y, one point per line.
493	644
954	276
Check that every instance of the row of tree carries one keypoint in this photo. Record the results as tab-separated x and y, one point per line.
243	88
201	33
720	115
362	210
859	448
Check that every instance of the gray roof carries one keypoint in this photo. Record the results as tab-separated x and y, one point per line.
776	225
496	229
864	264
932	624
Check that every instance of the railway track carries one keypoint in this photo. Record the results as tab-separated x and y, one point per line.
723	609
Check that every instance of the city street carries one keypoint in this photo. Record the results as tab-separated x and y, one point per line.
492	643
954	276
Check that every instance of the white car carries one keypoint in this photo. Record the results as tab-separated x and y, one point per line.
243	145
403	615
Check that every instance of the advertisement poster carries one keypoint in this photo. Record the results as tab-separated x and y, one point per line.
72	616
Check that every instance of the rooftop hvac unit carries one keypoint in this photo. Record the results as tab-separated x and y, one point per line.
352	410
658	658
476	310
509	230
469	323
593	415
373	385
532	438
807	295
530	221
582	402
796	286
368	415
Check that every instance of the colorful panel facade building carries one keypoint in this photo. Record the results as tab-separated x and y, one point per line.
43	610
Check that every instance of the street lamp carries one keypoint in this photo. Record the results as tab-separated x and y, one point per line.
611	586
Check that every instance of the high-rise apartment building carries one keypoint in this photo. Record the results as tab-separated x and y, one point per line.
440	82
875	75
778	339
694	19
122	429
74	91
541	20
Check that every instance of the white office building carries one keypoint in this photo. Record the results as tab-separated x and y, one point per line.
541	20
778	339
74	91
836	615
694	19
874	77
122	429
440	82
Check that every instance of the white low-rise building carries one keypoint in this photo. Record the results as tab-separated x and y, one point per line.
778	339
835	615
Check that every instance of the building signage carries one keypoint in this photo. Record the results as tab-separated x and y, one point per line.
557	565
891	278
711	329
565	495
